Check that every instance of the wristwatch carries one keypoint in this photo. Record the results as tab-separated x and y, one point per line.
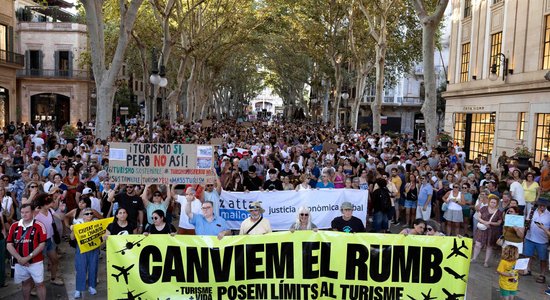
31	255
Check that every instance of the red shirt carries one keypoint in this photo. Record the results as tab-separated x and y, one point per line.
35	234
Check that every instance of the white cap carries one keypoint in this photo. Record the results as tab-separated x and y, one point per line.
87	191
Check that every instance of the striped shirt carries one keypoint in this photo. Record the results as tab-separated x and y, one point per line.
35	233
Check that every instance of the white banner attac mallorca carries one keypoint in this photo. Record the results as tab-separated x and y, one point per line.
139	163
281	207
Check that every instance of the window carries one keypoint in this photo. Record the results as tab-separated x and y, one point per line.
459	135
496	46
546	52
497	1
3	41
467	8
542	138
482	135
465	62
521	126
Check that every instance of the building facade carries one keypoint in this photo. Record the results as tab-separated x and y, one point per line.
10	61
498	94
52	87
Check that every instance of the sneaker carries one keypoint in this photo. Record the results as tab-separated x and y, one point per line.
77	295
92	291
33	292
547	292
57	281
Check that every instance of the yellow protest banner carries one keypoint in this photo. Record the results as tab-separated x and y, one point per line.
285	265
88	235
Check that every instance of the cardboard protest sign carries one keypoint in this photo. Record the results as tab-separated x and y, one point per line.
206	123
135	163
216	141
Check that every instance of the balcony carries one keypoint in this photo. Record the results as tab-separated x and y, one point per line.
396	101
12	58
54	74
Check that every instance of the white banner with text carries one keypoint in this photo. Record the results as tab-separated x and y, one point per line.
281	207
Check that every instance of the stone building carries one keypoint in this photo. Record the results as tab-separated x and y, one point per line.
10	61
498	94
52	87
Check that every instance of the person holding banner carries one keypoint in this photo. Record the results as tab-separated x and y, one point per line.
184	226
207	223
120	225
132	203
303	220
159	225
154	202
86	264
256	223
347	222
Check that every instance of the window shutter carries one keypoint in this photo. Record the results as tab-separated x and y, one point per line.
40	61
70	70
27	60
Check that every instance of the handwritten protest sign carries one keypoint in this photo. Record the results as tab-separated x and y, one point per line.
88	235
135	163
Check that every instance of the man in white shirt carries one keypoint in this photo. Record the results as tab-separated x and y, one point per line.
516	190
184	226
256	223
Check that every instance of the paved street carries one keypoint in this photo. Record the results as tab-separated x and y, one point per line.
482	283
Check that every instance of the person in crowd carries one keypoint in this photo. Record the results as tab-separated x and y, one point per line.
25	242
536	237
86	264
304	185
8	206
90	194
516	190
396	180
488	230
3	235
531	190
433	228
256	223
207	223
159	225
273	183
513	235
185	227
287	186
45	215
411	197
31	192
381	205
133	204
453	215
71	181
508	277
251	181
152	201
325	182
425	194
467	191
418	228
303	220
120	225
347	222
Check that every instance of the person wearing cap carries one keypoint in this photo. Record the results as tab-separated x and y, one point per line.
96	203
347	222
256	223
536	236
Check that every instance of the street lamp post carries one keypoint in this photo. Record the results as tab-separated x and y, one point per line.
156	79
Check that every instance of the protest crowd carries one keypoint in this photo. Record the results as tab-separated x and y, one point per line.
50	183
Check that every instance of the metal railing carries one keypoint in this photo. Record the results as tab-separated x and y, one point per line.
12	58
42	73
412	101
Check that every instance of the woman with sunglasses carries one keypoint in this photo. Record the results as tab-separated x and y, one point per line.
303	220
152	201
86	264
31	192
433	228
454	199
159	225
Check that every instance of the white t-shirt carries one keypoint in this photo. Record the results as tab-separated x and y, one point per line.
195	208
517	192
96	204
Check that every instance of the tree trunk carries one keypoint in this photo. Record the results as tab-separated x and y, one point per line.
429	108
327	87
190	89
104	117
376	105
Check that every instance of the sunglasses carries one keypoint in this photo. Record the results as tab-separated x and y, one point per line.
156	195
33	186
429	229
304	215
156	218
89	214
